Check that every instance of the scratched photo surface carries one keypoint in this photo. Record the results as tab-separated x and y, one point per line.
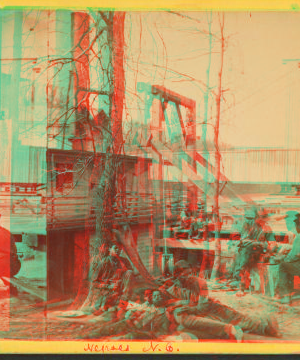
149	178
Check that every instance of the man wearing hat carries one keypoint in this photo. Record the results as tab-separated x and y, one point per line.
290	265
255	235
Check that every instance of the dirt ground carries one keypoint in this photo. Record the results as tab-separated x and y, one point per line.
26	321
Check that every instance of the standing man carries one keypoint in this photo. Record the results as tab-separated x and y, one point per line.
290	225
290	266
255	235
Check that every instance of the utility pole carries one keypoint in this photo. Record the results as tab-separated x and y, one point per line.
205	150
14	101
206	97
217	260
289	118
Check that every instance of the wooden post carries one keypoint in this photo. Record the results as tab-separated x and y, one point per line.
217	260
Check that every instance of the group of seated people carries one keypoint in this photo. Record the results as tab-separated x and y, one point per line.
126	308
179	304
194	227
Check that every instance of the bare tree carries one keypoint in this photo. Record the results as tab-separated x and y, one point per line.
92	72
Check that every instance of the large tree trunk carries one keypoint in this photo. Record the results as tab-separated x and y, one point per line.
113	171
102	194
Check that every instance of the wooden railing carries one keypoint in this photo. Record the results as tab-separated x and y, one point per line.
75	212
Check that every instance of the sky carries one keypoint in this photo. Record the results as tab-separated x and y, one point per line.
260	87
261	92
267	89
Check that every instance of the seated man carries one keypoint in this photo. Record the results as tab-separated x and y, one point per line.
148	321
124	309
111	280
289	266
135	307
206	316
196	229
182	232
